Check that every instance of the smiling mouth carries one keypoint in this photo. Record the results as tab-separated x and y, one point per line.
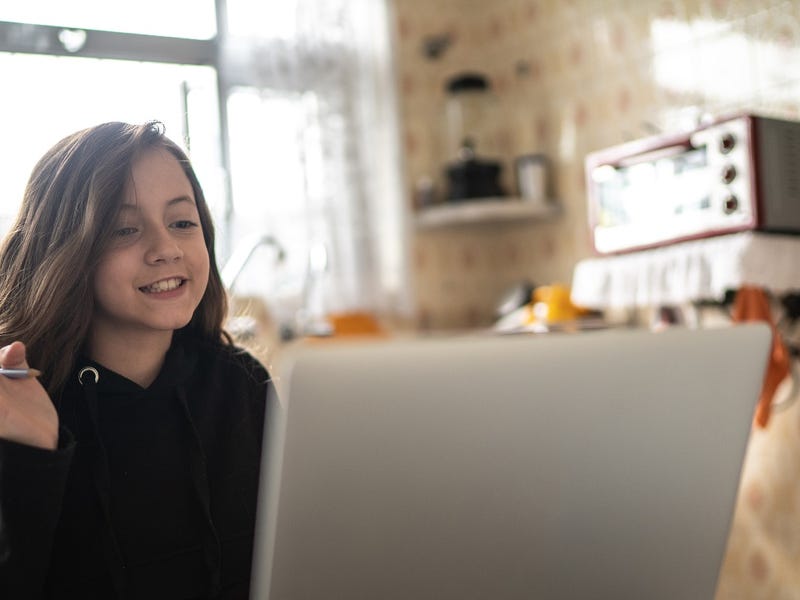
165	285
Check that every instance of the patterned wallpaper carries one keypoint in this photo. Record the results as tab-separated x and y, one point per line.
763	555
569	77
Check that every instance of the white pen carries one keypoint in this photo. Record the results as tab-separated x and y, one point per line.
19	373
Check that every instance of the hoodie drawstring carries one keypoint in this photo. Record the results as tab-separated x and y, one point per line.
88	377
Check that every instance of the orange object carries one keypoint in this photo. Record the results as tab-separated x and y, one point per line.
752	304
552	304
355	323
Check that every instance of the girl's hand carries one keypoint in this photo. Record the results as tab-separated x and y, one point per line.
27	414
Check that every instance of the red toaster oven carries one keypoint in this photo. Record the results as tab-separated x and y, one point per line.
735	174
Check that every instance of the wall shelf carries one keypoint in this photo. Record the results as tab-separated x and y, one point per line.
484	211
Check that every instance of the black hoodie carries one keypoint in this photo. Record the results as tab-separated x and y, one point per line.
151	493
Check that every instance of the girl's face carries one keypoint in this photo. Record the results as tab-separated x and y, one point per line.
155	272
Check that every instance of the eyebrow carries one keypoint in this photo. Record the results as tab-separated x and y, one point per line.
129	206
180	199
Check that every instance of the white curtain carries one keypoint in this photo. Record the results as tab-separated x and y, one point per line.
314	153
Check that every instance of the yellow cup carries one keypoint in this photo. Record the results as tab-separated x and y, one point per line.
552	304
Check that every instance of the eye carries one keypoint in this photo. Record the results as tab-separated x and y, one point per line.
184	224
124	232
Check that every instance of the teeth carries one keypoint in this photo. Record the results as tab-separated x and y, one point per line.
164	286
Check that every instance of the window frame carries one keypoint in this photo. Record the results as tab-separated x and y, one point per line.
30	38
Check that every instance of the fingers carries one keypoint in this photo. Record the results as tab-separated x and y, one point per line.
13	356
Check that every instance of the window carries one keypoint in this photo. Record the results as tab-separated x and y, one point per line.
288	151
57	95
314	79
59	77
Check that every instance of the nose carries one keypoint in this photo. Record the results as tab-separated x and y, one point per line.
162	247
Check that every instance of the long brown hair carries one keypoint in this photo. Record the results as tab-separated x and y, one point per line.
48	259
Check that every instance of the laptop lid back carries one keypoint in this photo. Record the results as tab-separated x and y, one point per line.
597	465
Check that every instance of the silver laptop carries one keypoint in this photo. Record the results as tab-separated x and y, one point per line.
564	466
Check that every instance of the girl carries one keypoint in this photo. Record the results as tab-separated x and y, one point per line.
129	468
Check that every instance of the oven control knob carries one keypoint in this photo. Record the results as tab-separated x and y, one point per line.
727	142
730	204
728	173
